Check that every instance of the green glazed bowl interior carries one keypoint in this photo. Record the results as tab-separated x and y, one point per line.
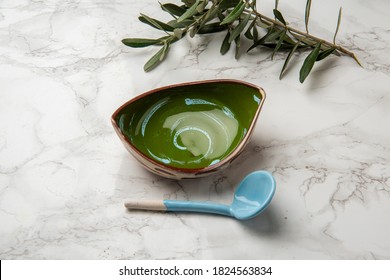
190	126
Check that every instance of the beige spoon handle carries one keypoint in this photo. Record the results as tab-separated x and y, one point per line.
156	205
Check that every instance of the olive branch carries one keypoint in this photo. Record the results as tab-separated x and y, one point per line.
239	19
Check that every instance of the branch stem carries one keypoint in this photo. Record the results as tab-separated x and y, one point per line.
303	35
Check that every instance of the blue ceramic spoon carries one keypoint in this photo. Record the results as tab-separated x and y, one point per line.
252	196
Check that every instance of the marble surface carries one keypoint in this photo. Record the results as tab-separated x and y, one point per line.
64	174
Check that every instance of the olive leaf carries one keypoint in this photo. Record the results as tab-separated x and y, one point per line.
234	14
194	30
283	46
225	44
338	26
280	41
173	9
324	54
265	38
309	63
273	36
289	56
202	5
239	28
139	42
255	33
190	11
157	58
181	24
226	4
211	28
307	15
248	33
237	40
288	40
209	15
155	23
279	16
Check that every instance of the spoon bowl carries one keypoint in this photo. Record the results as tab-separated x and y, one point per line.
252	196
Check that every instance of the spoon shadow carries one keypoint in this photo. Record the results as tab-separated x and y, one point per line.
267	223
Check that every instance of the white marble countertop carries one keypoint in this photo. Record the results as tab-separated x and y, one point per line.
64	174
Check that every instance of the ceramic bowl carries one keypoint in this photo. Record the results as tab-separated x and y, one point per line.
189	130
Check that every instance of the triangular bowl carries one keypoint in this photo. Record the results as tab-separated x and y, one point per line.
191	129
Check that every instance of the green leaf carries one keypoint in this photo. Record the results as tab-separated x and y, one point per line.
269	37
182	24
290	54
279	16
289	40
239	28
226	4
324	54
155	23
190	11
225	44
237	11
338	26
273	35
248	34
264	24
194	30
202	5
157	58
307	14
279	44
212	28
220	15
139	42
262	39
173	9
283	46
209	15
309	63
255	33
237	40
